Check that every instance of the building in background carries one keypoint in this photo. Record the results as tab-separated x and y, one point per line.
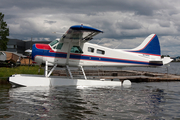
15	45
19	46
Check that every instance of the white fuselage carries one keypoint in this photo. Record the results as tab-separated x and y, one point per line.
93	55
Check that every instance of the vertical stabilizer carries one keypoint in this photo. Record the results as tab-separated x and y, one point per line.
149	46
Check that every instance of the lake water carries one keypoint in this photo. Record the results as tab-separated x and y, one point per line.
153	100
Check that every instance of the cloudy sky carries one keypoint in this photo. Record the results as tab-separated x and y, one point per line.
126	23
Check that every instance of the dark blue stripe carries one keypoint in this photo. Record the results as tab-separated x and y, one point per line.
110	60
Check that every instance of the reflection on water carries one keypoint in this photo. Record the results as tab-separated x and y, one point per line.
4	102
29	102
140	101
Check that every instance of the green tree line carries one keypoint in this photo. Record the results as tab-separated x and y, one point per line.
4	32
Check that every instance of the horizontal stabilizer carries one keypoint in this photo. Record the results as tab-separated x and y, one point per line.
163	61
156	62
166	60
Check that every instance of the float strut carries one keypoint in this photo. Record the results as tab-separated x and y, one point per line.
83	73
51	70
68	70
46	69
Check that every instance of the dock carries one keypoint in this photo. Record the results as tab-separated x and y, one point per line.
115	75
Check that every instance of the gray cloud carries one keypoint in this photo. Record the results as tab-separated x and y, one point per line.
49	22
139	7
121	20
128	24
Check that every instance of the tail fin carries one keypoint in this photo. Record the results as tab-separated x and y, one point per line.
149	46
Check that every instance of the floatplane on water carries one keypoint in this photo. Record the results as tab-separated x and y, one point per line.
73	50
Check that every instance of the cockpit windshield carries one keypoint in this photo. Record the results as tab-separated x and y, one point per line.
59	46
53	42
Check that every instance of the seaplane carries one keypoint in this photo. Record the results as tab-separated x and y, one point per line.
74	50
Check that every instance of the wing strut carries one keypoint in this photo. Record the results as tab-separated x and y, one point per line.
68	53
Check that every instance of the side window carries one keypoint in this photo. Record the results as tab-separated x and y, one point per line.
90	49
100	51
59	46
76	49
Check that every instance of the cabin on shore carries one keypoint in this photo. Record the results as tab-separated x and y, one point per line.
9	58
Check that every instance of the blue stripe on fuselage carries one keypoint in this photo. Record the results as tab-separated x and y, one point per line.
102	59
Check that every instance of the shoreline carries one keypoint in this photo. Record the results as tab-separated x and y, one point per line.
6	72
4	81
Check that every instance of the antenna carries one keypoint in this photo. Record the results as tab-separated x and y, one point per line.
99	41
58	33
116	46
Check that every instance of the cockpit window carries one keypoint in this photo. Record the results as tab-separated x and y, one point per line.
76	49
59	46
53	42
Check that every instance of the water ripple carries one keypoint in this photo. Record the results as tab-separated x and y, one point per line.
140	101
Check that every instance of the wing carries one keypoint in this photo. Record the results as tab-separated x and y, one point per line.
81	33
78	34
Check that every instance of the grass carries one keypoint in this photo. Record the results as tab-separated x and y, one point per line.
6	72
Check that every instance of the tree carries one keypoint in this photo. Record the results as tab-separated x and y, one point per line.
4	31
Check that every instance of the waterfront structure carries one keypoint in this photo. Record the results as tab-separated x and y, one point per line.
19	46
